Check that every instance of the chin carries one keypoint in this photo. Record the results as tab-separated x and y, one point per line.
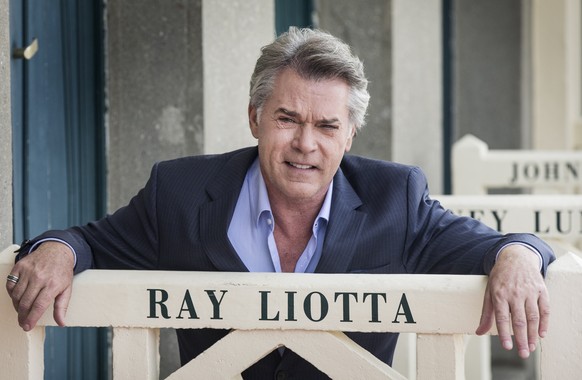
302	193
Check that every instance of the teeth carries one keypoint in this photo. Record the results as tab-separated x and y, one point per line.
299	166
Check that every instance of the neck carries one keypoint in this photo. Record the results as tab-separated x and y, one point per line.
293	228
295	215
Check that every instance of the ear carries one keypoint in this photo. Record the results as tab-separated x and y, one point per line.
253	121
350	139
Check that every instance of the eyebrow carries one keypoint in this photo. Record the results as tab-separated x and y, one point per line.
296	114
287	112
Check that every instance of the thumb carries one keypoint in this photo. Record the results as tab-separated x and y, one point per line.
62	305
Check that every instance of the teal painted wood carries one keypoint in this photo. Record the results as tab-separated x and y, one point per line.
293	13
57	107
17	98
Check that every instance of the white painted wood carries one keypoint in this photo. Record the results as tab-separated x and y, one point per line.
135	353
21	353
416	110
477	168
558	218
560	350
405	356
431	349
450	306
331	352
477	357
442	304
551	217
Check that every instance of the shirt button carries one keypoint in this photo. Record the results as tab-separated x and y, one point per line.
269	221
281	375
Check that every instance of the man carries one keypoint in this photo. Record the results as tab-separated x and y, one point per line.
295	203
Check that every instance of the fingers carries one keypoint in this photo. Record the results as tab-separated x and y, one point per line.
11	286
518	297
31	299
44	277
487	313
532	316
527	319
544	308
503	321
506	319
23	295
32	306
61	306
521	328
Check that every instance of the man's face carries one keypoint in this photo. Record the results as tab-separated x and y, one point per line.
303	133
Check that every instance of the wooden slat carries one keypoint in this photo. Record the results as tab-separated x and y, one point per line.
136	353
561	349
331	352
440	357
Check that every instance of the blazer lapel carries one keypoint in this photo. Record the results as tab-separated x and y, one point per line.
345	224
215	216
345	221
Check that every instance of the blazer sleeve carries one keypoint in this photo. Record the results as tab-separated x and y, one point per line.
127	239
437	241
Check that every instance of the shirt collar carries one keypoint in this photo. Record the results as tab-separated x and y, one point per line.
260	204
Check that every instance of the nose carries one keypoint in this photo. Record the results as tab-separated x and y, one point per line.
304	139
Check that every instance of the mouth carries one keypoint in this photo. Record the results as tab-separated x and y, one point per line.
299	166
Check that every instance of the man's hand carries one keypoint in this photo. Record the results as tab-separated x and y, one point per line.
516	295
43	276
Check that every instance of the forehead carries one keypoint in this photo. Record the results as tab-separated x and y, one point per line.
328	97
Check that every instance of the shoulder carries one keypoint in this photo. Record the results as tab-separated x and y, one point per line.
197	172
207	162
371	175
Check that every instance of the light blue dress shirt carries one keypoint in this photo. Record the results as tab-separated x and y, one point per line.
252	226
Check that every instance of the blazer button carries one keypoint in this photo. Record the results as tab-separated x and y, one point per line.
281	375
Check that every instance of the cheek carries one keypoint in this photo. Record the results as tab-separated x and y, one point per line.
276	138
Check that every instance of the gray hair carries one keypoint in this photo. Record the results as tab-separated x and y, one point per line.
314	55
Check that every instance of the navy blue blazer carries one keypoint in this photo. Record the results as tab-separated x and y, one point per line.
382	221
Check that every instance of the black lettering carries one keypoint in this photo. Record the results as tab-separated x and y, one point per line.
552	171
473	214
265	307
538	228
189	307
531	171
573	169
514	177
559	226
154	301
404	309
215	303
498	219
290	306
346	304
324	307
374	297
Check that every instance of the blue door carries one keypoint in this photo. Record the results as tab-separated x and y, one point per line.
58	147
293	13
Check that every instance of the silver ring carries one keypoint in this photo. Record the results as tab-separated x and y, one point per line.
12	278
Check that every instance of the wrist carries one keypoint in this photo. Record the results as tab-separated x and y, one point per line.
519	253
53	247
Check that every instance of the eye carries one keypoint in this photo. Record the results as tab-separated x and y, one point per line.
329	126
286	122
